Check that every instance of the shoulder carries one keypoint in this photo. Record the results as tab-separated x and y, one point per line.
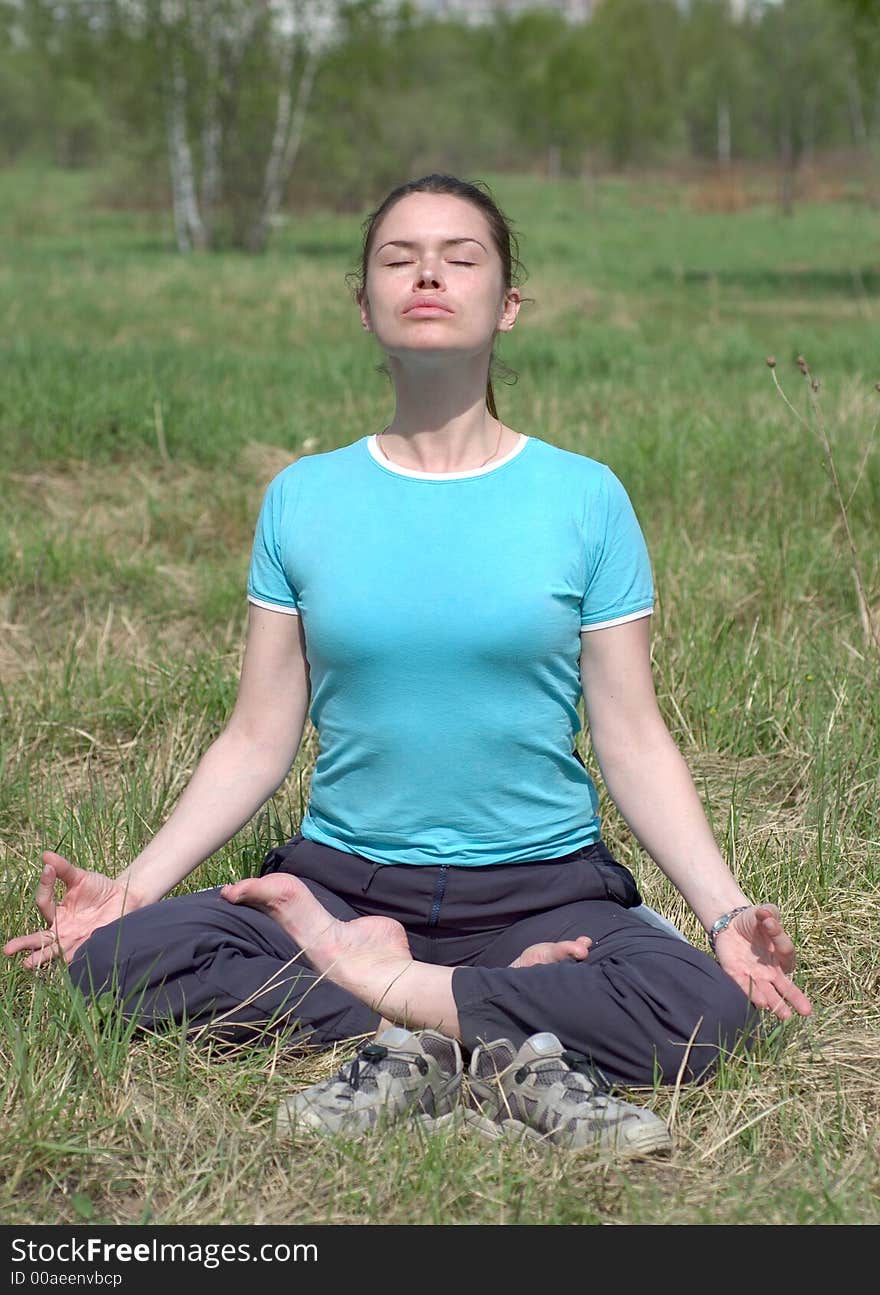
310	469
588	479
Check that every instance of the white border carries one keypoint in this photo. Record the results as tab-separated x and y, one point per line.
375	451
620	620
272	607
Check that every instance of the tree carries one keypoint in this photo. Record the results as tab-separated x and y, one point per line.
802	72
862	27
717	79
217	112
633	97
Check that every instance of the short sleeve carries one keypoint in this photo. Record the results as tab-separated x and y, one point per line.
269	583
619	585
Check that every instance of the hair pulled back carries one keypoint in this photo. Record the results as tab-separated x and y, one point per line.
503	237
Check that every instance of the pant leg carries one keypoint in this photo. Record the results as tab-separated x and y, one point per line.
632	1006
201	959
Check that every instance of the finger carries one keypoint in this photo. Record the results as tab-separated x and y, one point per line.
26	943
41	952
42	957
45	896
761	993
770	921
781	944
771	995
787	989
767	910
779	1007
65	871
766	997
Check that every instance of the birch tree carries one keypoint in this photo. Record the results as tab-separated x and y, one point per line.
202	47
188	225
290	119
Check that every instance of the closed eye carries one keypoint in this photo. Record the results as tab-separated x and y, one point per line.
392	264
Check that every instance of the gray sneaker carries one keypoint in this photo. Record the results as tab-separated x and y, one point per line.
546	1093
398	1075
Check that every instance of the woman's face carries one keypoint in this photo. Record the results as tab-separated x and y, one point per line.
437	247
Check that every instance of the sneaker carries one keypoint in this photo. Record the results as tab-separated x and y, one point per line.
399	1074
546	1093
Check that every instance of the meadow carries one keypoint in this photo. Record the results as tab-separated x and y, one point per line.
146	401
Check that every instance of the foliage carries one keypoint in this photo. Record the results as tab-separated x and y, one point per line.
399	91
122	565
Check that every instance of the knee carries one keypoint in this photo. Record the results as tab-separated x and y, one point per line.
723	1022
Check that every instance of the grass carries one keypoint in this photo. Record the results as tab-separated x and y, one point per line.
147	399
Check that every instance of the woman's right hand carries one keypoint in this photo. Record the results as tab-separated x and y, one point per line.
91	900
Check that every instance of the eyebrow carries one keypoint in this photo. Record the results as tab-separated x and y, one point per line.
447	242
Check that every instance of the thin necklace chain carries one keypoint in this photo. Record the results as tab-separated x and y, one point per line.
481	465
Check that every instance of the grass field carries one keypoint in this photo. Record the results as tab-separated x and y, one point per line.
146	401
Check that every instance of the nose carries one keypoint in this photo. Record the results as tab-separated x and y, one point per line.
428	276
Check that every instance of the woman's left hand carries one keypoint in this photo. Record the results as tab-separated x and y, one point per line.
755	951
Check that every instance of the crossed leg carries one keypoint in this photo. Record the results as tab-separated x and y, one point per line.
369	956
198	959
644	1005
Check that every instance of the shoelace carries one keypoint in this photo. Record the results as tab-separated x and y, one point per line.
369	1056
584	1066
576	1063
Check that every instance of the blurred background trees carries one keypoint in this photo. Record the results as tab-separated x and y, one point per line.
226	111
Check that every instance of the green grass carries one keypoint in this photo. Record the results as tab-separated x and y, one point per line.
146	401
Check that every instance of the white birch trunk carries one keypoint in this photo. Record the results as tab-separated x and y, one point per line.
289	123
183	157
724	149
212	130
181	231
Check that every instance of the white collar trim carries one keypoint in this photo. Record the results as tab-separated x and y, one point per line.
376	452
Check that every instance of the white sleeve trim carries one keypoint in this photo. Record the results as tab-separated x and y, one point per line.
618	620
272	607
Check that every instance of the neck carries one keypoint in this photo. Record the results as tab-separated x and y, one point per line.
434	454
441	421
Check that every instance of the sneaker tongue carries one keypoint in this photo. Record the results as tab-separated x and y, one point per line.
394	1037
540	1047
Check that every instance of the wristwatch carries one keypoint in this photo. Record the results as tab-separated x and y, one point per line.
722	924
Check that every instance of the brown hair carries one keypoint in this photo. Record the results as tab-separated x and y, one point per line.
500	226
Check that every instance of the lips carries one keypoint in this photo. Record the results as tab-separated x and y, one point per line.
424	303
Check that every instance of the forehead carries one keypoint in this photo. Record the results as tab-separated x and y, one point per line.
432	218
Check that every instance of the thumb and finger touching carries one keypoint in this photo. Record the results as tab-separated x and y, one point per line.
42	946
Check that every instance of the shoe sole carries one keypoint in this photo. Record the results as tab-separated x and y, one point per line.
288	1126
647	1141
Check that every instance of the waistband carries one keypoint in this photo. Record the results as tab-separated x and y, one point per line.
470	898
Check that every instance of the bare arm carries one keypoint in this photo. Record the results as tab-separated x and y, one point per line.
649	782
645	773
236	775
244	766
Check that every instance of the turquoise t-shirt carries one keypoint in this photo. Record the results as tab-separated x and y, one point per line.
442	615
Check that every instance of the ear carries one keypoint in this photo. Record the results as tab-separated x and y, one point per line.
509	310
364	305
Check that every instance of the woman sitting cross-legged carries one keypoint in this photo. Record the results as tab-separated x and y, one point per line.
437	598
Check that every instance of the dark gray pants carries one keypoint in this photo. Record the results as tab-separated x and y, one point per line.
641	1004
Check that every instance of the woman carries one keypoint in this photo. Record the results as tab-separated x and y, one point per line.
439	595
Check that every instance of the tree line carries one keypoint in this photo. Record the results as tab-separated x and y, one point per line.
229	109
